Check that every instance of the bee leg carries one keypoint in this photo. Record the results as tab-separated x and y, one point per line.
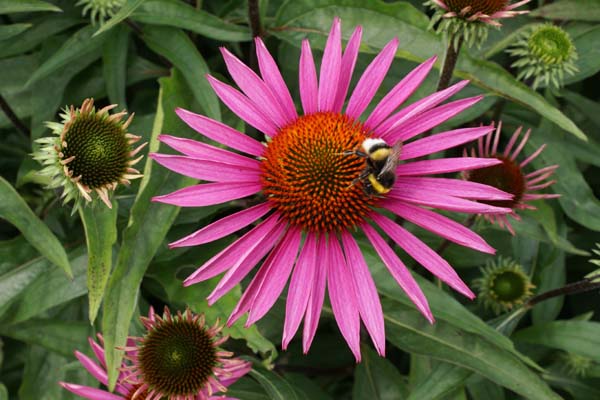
363	175
355	152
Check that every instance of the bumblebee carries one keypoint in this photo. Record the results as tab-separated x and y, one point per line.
379	175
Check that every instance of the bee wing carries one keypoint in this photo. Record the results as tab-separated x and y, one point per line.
392	161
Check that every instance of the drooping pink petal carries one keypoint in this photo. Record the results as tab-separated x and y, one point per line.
300	284
398	271
444	165
398	95
442	141
254	88
316	295
418	107
223	227
366	292
330	67
347	68
272	77
228	256
253	253
438	224
423	254
204	151
307	80
429	119
453	187
371	79
89	392
94	369
211	171
221	133
278	270
98	350
342	295
207	194
243	107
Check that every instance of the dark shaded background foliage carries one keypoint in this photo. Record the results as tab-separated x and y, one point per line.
151	58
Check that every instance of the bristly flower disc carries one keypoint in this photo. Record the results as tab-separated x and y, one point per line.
91	152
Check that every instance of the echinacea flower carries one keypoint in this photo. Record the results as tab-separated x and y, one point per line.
100	10
503	285
90	153
177	359
509	176
315	192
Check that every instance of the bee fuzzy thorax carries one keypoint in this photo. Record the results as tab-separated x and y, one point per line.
376	149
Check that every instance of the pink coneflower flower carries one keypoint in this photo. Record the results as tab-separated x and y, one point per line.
486	11
177	359
509	176
314	196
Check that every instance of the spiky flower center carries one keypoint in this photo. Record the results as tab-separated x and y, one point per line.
551	44
177	357
468	8
507	176
509	286
100	148
308	178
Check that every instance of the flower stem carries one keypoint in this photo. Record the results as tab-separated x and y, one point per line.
10	114
450	59
582	286
256	29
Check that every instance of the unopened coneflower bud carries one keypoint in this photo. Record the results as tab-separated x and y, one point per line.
100	10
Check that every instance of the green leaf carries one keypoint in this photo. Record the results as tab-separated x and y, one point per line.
100	223
578	337
482	389
550	275
575	387
123	13
408	330
177	47
17	6
147	227
376	378
583	10
588	62
381	21
114	63
276	387
442	380
3	392
8	31
181	15
14	282
14	209
77	46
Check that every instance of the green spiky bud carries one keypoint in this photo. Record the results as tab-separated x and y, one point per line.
576	365
546	54
503	285
100	10
90	152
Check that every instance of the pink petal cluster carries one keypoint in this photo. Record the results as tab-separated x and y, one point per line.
331	260
507	12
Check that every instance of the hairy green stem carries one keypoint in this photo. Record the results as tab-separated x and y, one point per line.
582	286
449	62
14	119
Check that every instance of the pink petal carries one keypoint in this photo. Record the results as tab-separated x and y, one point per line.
278	270
371	80
348	63
253	253
442	141
398	95
272	77
444	165
343	297
232	253
316	295
208	194
438	224
429	119
221	133
307	80
419	107
399	271
205	151
208	170
453	187
423	254
98	351
89	392
330	67
223	227
94	369
243	107
366	292
254	87
300	284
